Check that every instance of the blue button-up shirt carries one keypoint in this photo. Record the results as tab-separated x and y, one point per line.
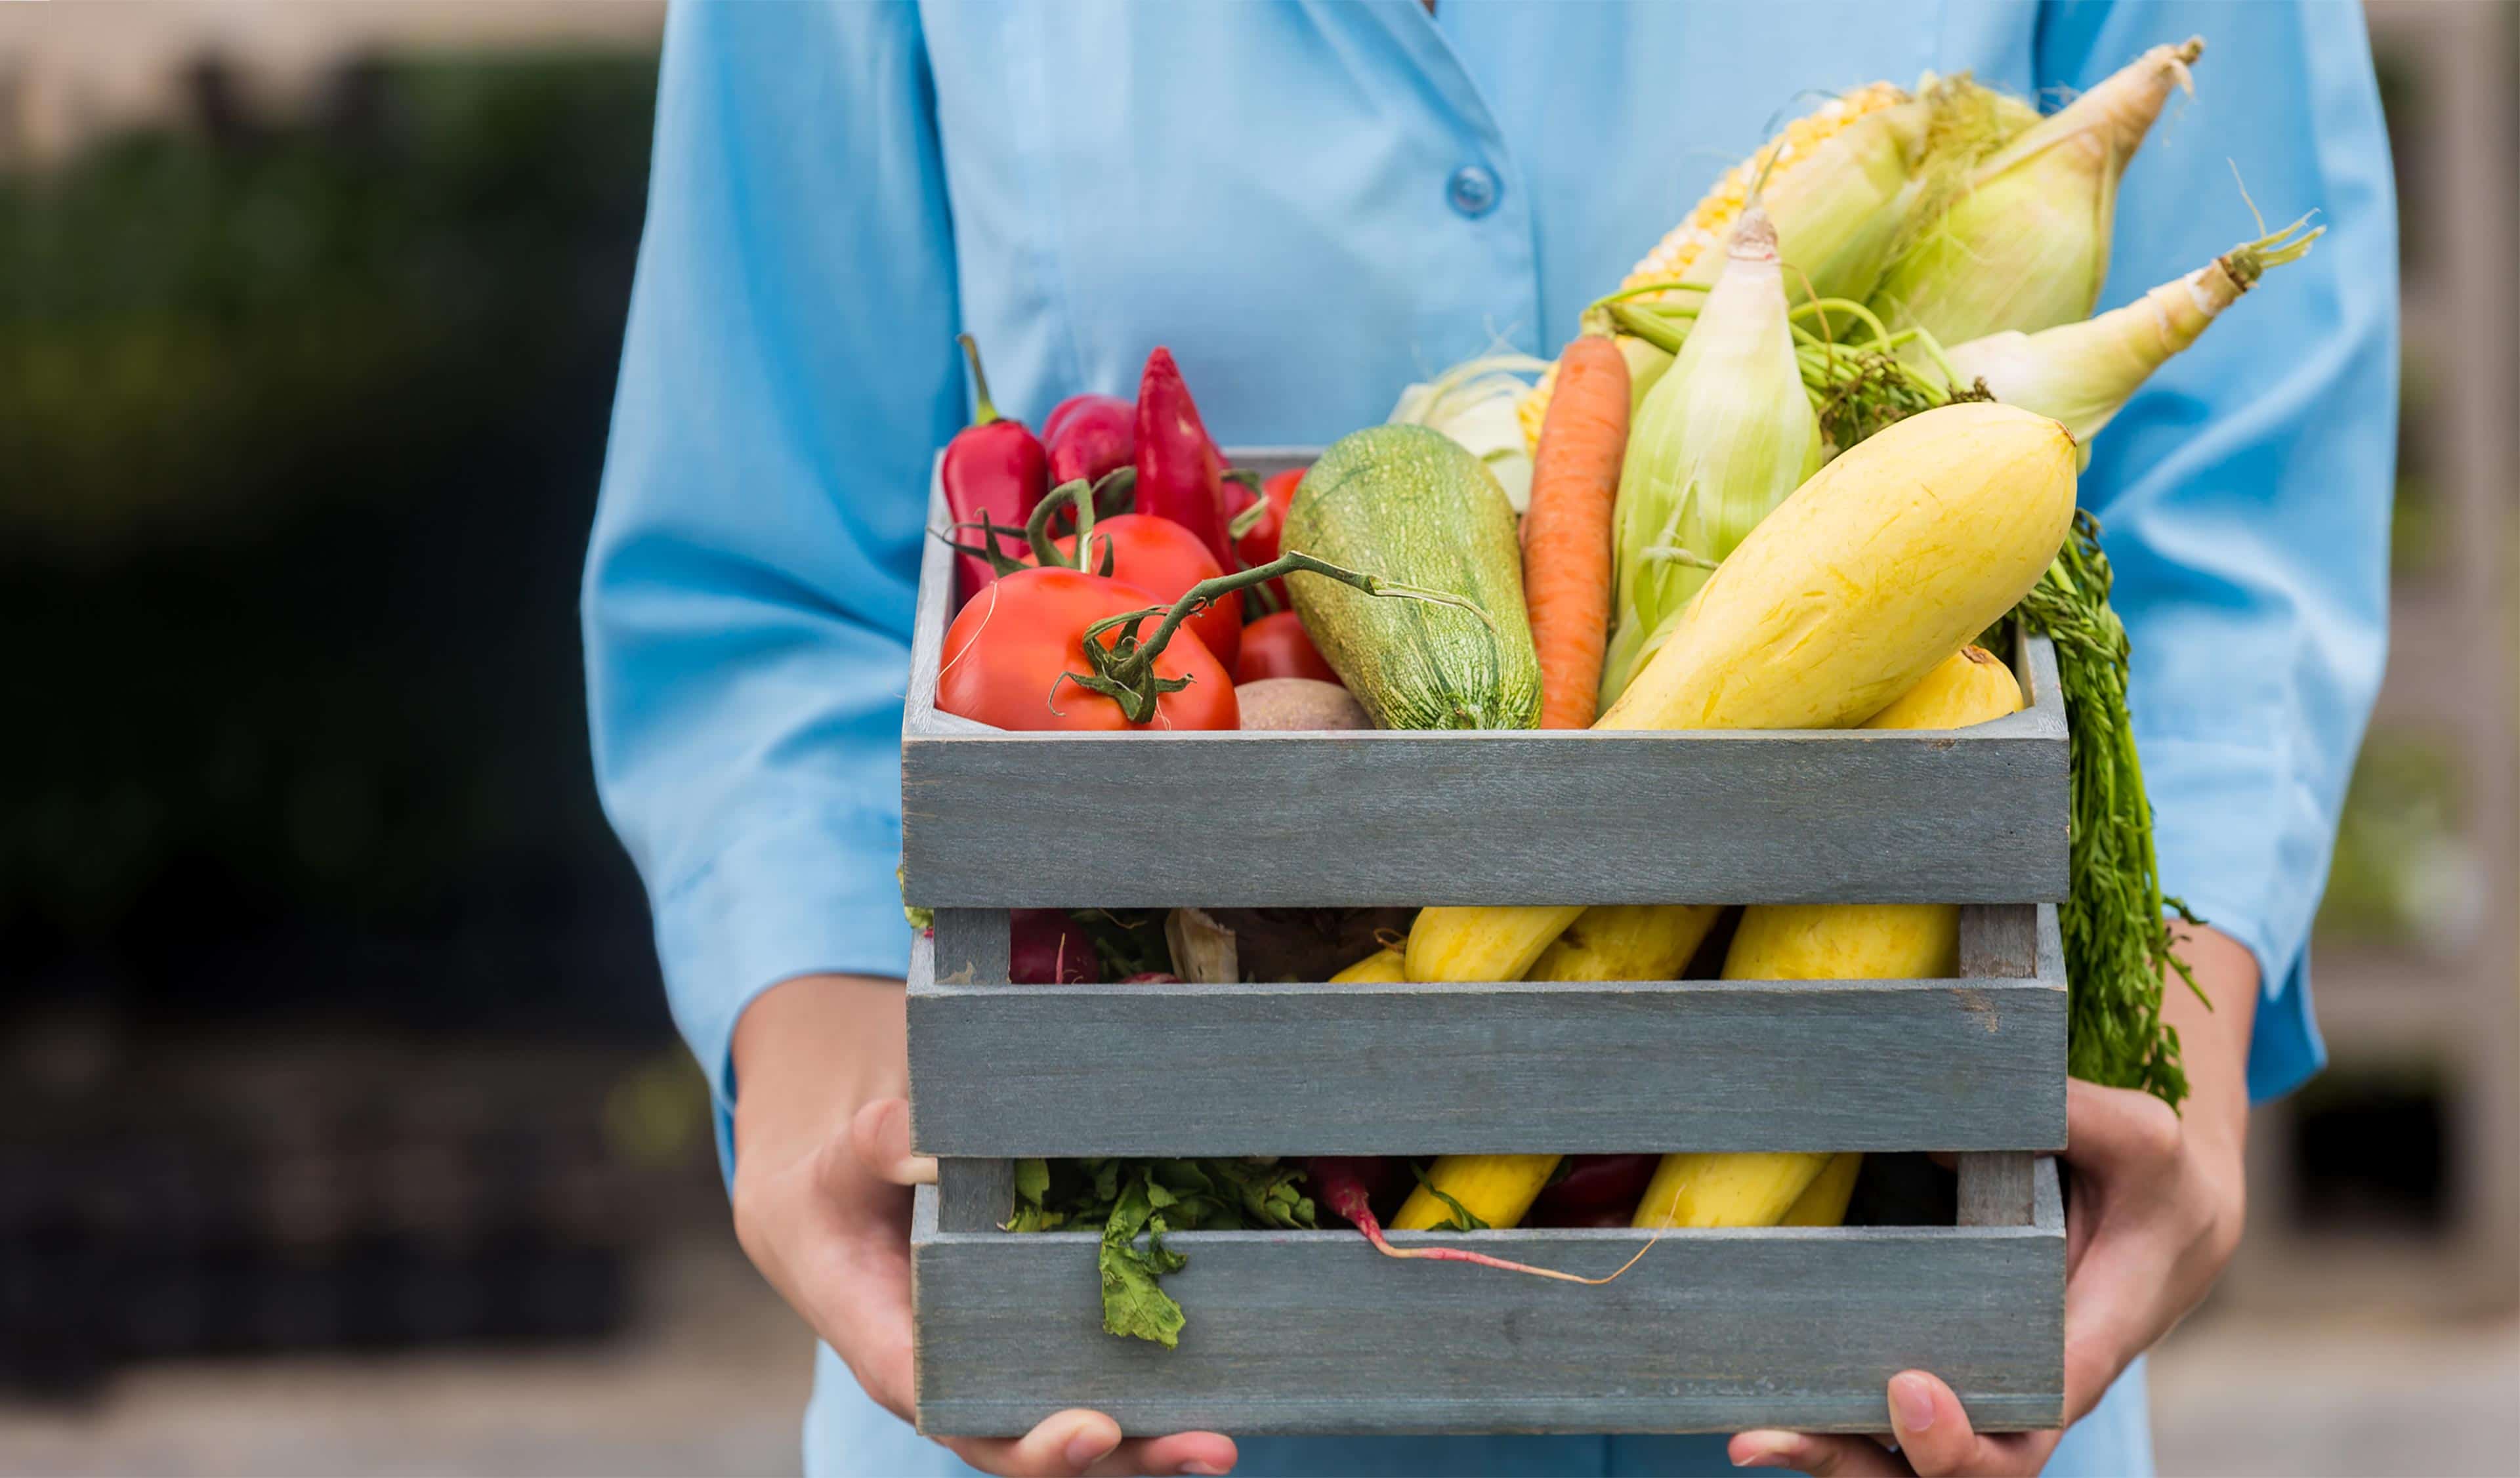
1314	205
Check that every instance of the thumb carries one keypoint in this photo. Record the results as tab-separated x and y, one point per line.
2113	1131
880	1137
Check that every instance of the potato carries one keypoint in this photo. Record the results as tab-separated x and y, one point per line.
1284	703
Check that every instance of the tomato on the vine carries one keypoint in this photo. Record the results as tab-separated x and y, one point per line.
1165	559
1006	650
1259	544
1277	646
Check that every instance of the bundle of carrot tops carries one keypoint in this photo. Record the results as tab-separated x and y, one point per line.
1802	468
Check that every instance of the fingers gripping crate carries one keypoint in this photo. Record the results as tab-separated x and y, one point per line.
1312	1331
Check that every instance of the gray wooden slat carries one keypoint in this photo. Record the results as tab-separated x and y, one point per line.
1388	818
929	621
2047	1197
1267	460
2000	941
1995	1188
974	1195
1526	1067
970	946
1423	818
2034	661
1313	1332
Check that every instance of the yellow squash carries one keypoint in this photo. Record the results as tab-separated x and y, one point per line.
1878	568
1609	942
1841	599
1381	967
1824	1203
1837	941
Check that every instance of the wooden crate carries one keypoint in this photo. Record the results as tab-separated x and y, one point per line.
1311	1332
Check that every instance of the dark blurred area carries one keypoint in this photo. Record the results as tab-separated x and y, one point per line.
332	1016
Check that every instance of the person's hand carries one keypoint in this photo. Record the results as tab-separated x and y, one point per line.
2157	1204
821	1205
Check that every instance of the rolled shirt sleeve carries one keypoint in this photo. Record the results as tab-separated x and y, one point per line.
2245	494
787	366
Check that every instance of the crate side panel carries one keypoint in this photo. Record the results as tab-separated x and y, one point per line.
1314	1333
1409	819
1528	1068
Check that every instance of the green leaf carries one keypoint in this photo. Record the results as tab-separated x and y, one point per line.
1134	1304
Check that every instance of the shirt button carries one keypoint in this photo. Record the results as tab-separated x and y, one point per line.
1472	191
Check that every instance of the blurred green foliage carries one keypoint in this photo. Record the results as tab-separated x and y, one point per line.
300	426
2403	877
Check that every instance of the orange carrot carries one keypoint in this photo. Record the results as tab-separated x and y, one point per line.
1566	534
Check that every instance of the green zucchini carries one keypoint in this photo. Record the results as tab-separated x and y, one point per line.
1409	504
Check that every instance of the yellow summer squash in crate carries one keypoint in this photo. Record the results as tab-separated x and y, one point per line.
1381	967
1824	1203
1851	592
1838	941
1609	942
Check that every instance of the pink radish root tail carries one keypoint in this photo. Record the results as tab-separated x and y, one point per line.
1347	1196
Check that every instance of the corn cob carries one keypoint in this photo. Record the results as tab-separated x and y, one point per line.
1844	183
1726	436
2080	373
2026	246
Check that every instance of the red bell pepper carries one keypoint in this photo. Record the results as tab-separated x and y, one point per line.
1178	472
993	468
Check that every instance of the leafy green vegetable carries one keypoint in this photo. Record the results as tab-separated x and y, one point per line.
2117	941
1130	941
1138	1202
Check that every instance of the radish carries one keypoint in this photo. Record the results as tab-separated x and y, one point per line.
1343	1184
1046	947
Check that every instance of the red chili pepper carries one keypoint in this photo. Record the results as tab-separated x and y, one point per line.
993	466
1178	468
1090	435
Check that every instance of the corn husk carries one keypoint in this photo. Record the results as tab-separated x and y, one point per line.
1727	435
1474	403
1846	185
2026	246
2082	374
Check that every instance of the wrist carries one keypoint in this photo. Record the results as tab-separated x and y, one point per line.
808	1053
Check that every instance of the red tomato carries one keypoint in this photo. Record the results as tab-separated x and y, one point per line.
1007	647
1259	545
1277	646
1160	555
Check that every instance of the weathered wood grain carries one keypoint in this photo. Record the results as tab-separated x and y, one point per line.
2000	941
1995	1188
1524	1067
969	947
998	819
974	1195
1313	1332
1382	818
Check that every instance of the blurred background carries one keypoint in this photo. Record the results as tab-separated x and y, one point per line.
341	1126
